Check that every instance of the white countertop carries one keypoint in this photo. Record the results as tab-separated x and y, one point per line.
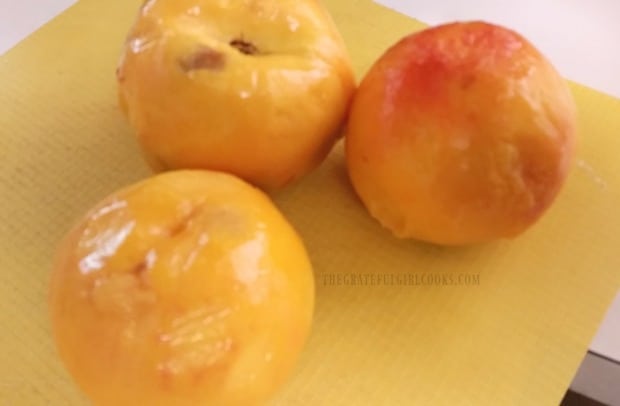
580	37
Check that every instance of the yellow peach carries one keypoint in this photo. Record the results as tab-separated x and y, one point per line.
256	88
189	288
459	134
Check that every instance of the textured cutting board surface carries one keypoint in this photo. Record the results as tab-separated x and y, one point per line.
514	334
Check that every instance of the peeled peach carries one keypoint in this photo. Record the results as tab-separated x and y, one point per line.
257	88
189	288
460	134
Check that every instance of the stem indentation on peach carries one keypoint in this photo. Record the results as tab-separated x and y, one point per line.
243	46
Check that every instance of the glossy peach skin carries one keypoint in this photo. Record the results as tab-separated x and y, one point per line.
460	134
189	288
257	88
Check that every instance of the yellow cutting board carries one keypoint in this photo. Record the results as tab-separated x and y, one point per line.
514	338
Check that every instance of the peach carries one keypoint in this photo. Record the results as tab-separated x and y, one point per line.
189	288
459	134
259	89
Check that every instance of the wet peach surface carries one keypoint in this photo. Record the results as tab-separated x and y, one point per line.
259	89
188	288
459	134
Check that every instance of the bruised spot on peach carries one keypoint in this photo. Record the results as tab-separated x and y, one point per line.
203	58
